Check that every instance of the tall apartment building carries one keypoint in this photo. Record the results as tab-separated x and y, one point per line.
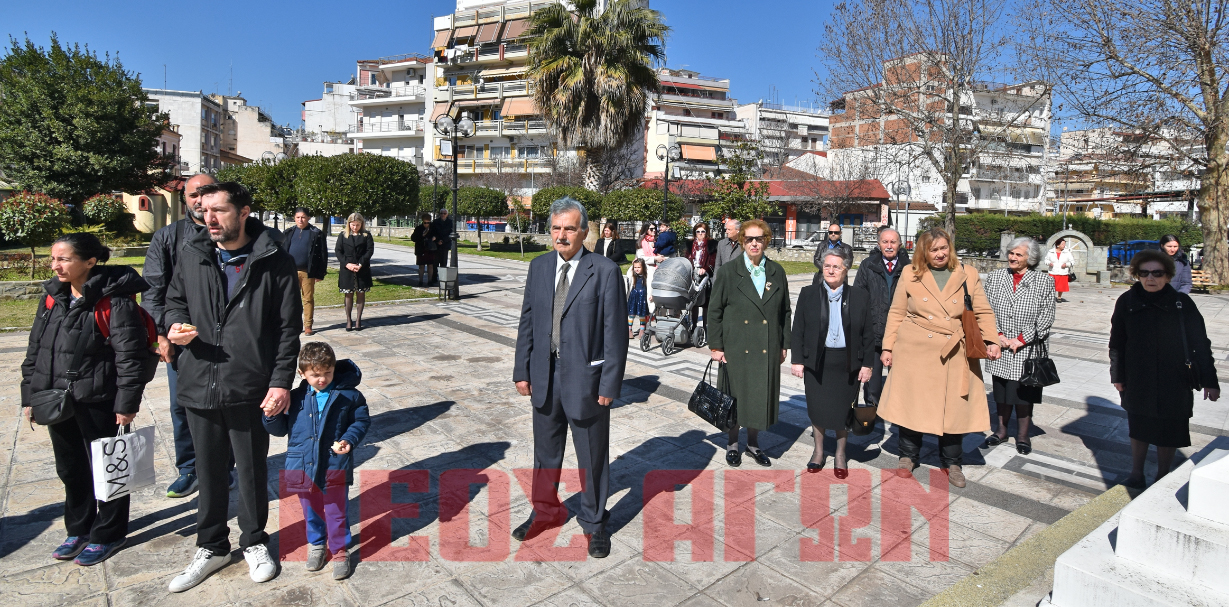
785	132
199	121
1108	172
481	59
248	132
1013	122
697	114
326	122
391	103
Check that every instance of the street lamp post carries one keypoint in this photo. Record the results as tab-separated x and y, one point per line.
452	130
667	153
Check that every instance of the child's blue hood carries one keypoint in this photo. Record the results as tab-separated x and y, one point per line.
346	375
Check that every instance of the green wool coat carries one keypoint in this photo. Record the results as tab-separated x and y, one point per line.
752	331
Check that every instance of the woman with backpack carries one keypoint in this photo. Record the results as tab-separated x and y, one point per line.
85	370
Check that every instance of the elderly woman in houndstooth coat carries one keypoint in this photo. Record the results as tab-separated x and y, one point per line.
1024	313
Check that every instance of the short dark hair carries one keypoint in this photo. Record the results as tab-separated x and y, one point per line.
85	246
302	210
1148	255
316	355
1168	238
236	194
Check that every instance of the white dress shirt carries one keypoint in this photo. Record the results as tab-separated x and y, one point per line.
570	265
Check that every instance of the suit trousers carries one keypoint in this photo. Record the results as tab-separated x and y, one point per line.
84	516
307	286
216	434
951	448
874	388
591	439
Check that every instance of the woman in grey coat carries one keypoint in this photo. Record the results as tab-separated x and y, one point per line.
1182	264
1023	304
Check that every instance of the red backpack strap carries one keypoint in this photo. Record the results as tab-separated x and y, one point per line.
102	316
50	303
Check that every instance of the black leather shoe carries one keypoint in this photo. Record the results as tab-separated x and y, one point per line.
599	544
532	528
760	457
993	441
1024	447
733	458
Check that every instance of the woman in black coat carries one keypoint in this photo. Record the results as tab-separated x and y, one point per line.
833	348
424	248
353	250
608	245
1148	362
111	377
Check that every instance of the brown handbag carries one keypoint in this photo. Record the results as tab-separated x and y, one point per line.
974	345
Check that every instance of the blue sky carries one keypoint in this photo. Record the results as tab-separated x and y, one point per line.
281	52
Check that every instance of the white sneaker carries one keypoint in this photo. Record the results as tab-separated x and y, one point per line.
203	564
260	564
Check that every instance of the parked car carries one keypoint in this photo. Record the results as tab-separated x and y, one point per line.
1121	254
487	226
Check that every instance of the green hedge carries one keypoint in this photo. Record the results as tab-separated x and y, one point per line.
640	204
980	231
592	201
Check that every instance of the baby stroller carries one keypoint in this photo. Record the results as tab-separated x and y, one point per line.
674	293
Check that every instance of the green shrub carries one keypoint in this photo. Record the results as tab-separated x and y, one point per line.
103	208
481	202
592	201
32	220
640	204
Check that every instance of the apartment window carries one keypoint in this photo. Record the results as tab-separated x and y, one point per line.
204	114
373	79
719	115
686	112
503	152
530	151
925	178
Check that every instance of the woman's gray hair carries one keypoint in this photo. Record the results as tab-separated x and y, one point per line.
845	257
1032	246
567	203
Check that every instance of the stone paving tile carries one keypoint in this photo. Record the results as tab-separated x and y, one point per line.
876	588
756	583
638	583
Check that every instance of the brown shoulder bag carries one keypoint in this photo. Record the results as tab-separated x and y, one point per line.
974	345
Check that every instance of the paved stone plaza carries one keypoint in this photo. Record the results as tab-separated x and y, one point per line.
437	377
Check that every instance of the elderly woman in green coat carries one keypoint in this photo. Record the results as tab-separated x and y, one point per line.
749	330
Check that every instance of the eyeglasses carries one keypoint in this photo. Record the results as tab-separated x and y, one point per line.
1153	273
701	232
759	239
831	232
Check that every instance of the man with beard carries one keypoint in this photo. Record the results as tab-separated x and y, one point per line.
234	308
878	275
159	269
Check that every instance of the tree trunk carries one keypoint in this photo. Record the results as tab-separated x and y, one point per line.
949	214
33	263
478	222
1214	206
593	169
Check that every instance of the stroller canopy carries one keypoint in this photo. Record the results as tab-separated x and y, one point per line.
673	283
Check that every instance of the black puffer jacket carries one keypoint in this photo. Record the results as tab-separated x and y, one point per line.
1146	352
247	343
873	277
160	260
111	369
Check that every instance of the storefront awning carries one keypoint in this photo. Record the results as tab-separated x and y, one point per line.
441	39
466	32
489	33
440	110
699	152
515	28
519	106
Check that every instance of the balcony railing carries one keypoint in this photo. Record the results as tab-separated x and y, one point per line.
408	126
503	128
492	165
505	13
490	89
404	57
383	93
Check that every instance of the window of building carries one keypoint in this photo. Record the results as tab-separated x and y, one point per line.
719	115
373	78
503	152
529	151
686	112
925	178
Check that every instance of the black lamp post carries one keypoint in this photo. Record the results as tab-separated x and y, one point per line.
667	153
452	130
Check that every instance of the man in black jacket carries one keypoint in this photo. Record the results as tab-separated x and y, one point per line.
833	242
237	292
878	275
159	269
305	243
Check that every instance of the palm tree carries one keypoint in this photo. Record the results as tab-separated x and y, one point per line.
593	73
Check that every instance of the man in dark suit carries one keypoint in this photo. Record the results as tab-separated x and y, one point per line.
878	275
570	355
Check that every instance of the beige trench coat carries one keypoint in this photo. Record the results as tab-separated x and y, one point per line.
933	387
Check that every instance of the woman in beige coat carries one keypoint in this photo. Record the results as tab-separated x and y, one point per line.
933	387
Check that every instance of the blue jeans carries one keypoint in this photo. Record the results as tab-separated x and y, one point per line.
334	526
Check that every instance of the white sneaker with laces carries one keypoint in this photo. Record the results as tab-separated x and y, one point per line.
260	565
203	564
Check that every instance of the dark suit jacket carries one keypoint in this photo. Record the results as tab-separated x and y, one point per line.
593	344
811	326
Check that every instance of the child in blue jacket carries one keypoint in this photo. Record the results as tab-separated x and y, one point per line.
326	421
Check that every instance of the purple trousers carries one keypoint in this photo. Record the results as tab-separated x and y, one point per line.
334	526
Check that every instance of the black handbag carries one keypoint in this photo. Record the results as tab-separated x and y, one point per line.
1039	369
861	419
1193	376
712	404
53	406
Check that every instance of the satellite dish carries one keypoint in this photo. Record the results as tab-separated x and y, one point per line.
279	157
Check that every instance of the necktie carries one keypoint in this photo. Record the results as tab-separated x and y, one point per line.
891	264
561	295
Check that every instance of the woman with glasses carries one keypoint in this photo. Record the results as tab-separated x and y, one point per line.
1155	333
749	331
703	254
